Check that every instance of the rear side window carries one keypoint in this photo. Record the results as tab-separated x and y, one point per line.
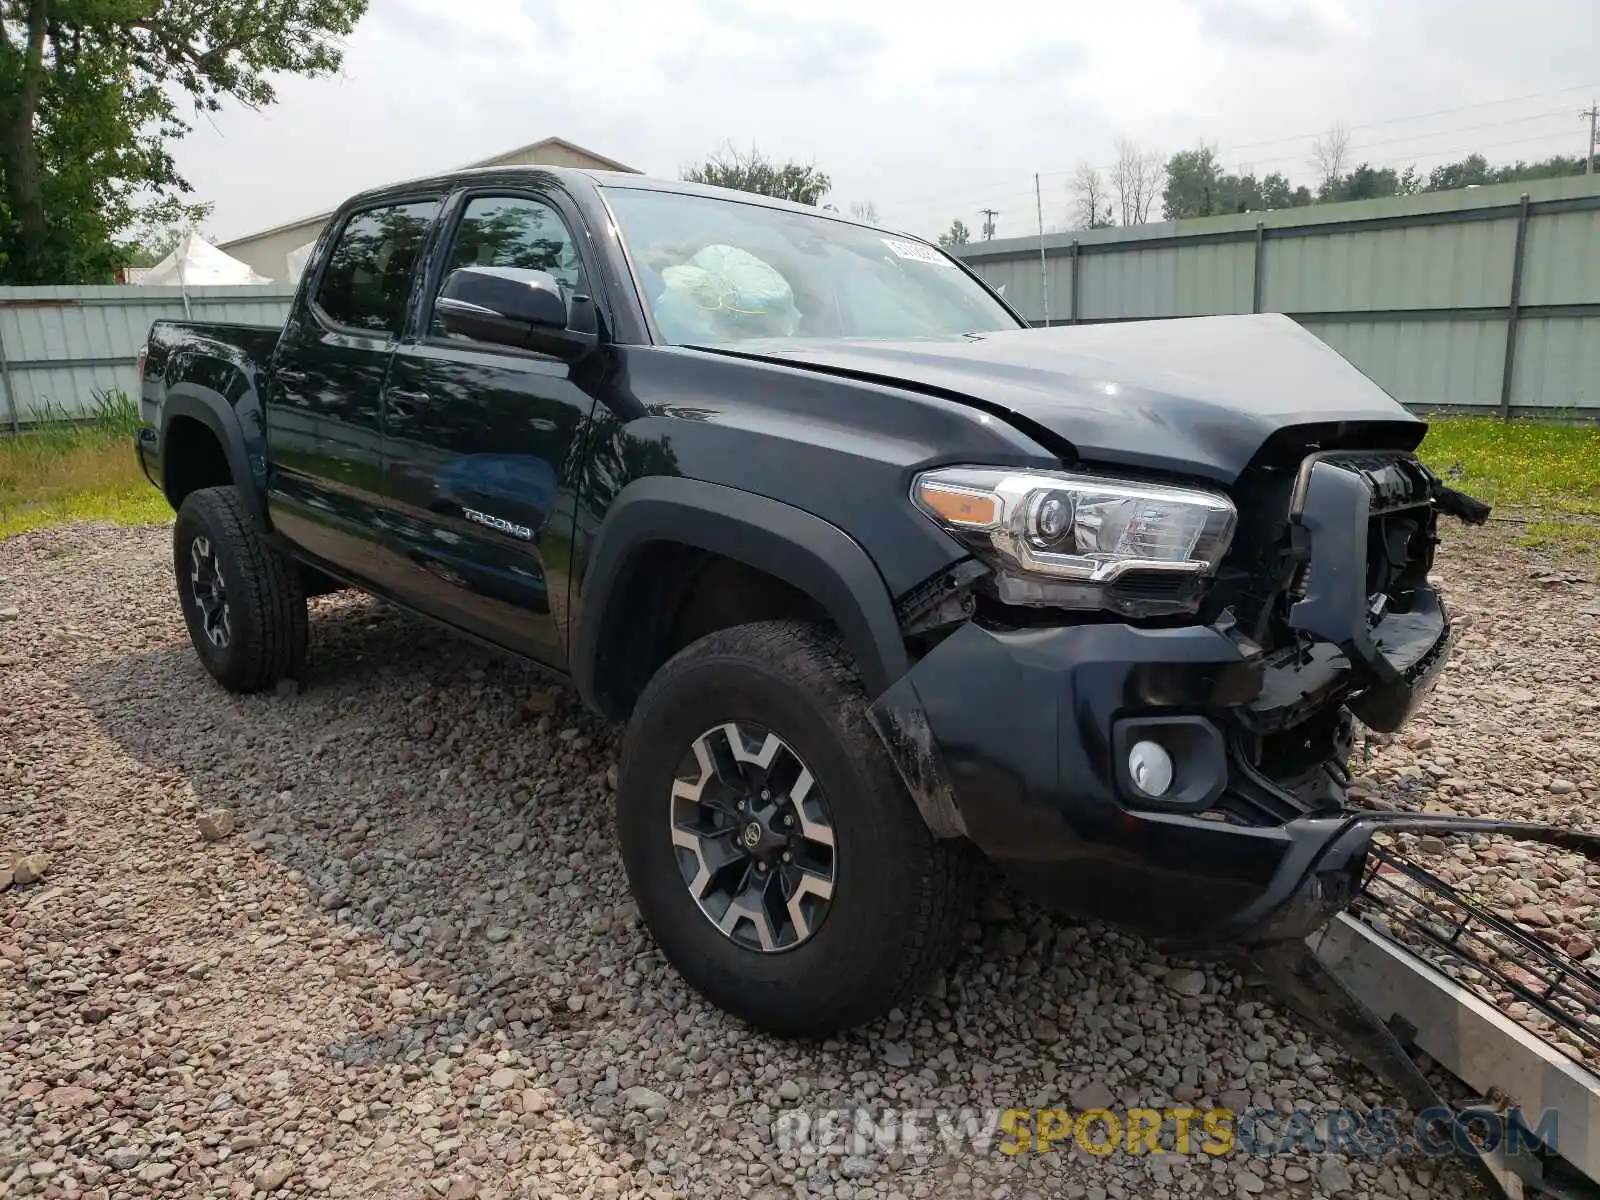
368	277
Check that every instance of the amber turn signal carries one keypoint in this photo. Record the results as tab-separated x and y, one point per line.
959	506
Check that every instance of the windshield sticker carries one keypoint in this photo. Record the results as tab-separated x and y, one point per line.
915	252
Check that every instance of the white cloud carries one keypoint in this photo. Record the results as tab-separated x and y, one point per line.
932	111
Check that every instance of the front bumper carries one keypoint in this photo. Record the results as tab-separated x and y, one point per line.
1017	739
1008	737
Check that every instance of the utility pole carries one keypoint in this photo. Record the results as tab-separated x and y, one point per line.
989	214
1044	271
1593	113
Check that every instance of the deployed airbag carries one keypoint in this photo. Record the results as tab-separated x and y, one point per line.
723	292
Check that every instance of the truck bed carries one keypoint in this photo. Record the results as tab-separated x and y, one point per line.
254	342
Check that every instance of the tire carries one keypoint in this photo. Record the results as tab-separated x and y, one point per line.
259	634
899	895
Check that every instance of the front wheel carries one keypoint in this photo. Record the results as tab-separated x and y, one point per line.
242	601
775	856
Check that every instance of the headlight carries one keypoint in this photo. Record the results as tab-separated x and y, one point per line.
1065	540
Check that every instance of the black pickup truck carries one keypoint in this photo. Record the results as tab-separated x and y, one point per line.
876	575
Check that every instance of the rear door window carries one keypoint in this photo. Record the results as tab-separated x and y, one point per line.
368	277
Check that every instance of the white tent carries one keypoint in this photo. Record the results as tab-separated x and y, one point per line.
197	263
297	259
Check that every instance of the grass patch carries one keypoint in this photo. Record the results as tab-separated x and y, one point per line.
64	471
1574	537
1522	464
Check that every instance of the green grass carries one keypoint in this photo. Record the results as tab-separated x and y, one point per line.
1549	473
1518	464
1574	537
82	470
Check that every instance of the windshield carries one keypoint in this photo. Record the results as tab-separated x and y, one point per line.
716	271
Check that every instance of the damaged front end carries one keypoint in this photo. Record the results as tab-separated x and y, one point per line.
1030	737
1022	734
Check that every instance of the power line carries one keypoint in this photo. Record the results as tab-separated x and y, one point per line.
1437	133
924	203
1397	159
970	190
1438	112
977	189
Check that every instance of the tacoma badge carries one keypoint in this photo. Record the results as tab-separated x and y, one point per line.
500	523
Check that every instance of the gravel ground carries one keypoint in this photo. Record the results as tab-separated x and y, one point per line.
413	968
1511	732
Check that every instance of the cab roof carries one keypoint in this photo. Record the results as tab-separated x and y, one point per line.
574	179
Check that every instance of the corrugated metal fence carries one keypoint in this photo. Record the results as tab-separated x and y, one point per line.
1486	299
61	345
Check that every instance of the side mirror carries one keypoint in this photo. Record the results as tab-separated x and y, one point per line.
511	306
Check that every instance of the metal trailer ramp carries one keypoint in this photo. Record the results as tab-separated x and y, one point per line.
1415	966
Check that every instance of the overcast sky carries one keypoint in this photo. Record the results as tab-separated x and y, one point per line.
932	111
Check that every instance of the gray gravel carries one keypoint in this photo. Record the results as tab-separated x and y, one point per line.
1511	732
411	966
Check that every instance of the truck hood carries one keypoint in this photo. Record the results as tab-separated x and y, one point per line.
1193	397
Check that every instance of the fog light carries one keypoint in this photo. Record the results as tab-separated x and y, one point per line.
1150	768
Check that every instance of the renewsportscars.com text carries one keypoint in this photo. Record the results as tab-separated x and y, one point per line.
1260	1132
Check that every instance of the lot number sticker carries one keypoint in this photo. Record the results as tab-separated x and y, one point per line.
915	252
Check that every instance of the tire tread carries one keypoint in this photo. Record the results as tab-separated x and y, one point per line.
273	643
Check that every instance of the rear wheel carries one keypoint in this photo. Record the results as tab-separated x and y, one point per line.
242	601
773	851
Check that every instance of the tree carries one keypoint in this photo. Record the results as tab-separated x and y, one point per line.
1278	192
1329	154
1475	169
1091	203
864	210
956	235
1364	183
1197	186
1239	194
1367	182
1554	167
1191	184
1136	178
90	95
753	171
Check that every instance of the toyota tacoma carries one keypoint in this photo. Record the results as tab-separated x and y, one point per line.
879	578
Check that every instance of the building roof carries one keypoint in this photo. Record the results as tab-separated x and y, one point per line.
609	164
492	161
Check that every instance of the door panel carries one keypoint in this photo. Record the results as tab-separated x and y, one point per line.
325	412
479	447
326	433
479	488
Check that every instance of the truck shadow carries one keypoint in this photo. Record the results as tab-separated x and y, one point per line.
456	806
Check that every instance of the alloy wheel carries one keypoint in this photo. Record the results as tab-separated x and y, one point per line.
753	837
210	592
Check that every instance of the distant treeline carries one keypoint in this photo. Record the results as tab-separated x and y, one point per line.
1197	186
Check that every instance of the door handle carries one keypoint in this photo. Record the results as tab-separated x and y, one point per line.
289	375
405	404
